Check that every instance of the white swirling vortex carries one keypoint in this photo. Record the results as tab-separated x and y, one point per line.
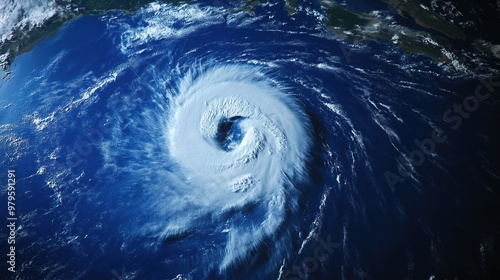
262	168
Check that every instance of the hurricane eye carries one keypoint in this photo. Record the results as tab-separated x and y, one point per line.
229	133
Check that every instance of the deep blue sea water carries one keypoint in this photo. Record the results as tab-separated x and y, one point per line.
119	179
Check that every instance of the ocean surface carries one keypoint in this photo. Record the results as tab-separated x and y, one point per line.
186	142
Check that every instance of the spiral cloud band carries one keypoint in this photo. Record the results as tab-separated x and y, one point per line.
237	140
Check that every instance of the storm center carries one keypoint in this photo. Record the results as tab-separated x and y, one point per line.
229	133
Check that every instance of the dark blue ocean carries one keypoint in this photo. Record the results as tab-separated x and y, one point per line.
349	161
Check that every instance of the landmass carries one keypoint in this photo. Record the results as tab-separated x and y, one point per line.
379	27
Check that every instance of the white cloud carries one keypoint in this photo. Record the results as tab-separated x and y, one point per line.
24	15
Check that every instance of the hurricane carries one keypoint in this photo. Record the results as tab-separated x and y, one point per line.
230	141
196	141
236	144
